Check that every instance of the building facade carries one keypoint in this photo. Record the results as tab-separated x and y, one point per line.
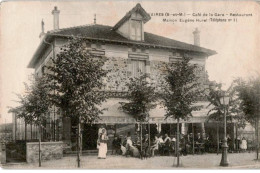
130	51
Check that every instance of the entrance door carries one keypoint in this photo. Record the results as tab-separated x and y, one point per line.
89	137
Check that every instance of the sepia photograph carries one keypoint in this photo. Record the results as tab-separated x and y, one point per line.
129	84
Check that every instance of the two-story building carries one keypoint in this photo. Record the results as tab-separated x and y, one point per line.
130	50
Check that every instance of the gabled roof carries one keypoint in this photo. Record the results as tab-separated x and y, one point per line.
138	8
107	34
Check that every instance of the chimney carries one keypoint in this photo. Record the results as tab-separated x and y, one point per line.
55	13
42	33
196	35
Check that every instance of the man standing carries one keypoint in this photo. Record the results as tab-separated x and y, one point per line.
145	147
116	144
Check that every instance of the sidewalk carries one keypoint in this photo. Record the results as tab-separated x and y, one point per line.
206	161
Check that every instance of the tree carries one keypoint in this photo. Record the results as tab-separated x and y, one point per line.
249	93
39	105
180	91
38	99
142	98
233	110
76	78
216	113
34	106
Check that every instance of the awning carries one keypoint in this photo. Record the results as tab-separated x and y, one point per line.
113	114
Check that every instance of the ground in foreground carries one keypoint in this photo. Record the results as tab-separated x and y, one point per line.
205	161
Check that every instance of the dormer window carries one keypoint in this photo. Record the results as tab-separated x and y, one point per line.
131	26
136	30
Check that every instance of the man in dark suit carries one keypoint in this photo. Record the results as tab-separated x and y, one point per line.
116	145
199	138
145	147
200	143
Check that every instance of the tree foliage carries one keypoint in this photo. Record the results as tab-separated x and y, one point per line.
21	110
141	96
214	96
216	113
34	104
249	93
75	77
181	89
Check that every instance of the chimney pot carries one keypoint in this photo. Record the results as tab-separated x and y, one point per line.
196	35
55	13
42	33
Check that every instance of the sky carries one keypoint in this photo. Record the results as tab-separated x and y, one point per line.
20	26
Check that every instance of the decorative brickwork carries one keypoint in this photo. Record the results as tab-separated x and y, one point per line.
118	74
157	72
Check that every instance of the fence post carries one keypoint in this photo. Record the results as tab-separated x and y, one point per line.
257	138
217	138
78	144
193	147
40	156
178	143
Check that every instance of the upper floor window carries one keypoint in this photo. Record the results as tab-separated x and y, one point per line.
175	57
138	67
136	30
97	49
98	46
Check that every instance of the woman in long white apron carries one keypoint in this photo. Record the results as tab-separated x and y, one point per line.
102	151
243	145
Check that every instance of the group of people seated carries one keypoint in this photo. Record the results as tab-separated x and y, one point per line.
131	147
166	145
159	145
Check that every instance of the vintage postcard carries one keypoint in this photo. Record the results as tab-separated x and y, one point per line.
129	84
